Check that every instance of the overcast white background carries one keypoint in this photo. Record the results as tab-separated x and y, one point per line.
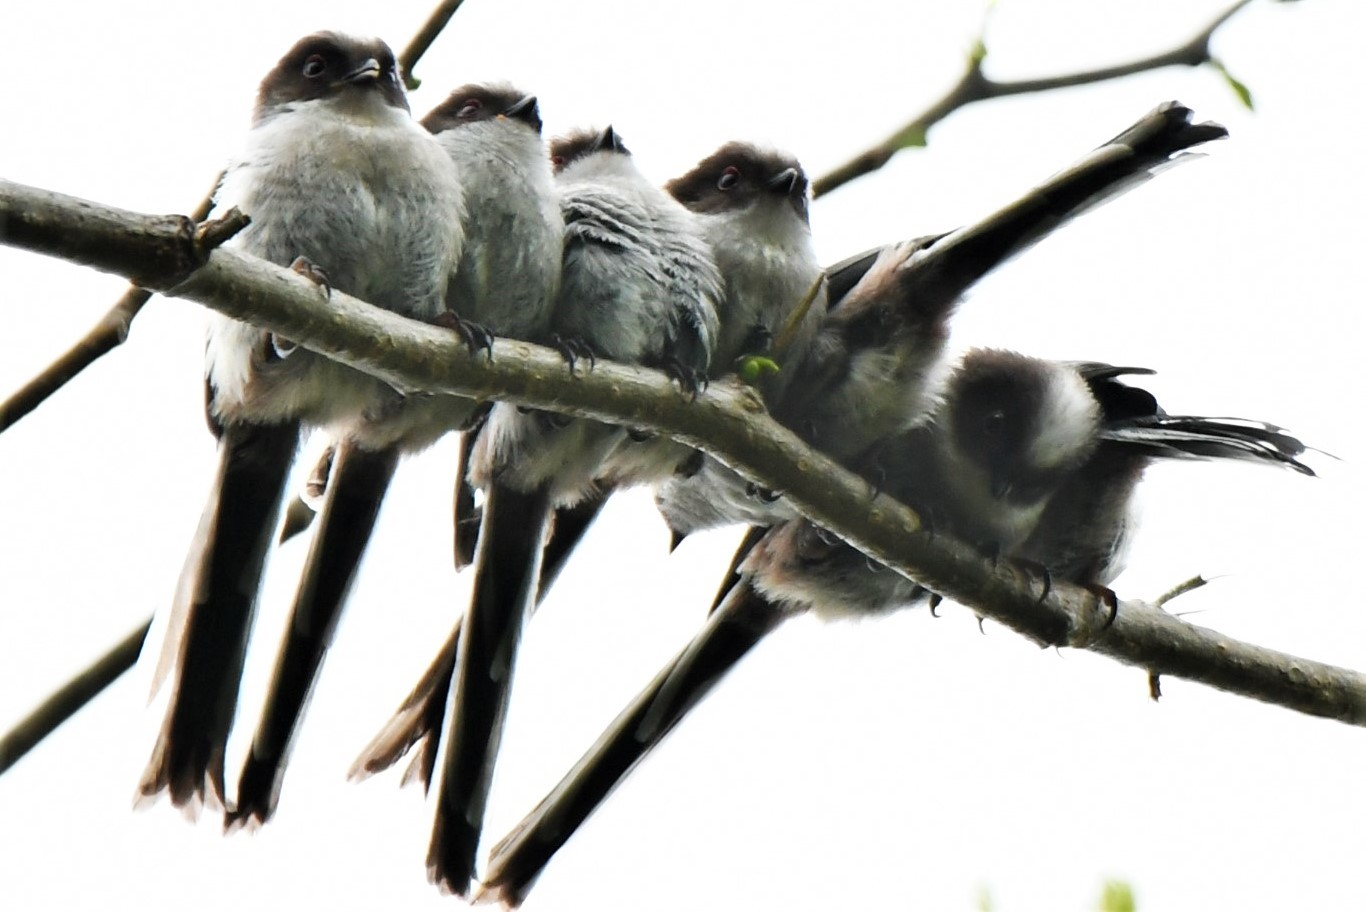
908	763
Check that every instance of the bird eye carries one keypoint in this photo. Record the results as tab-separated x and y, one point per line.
729	178
993	422
315	66
470	109
557	161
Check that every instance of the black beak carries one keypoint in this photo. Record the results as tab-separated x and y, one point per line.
369	71
609	141
527	111
787	182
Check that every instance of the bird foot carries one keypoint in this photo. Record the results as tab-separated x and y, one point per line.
475	337
572	349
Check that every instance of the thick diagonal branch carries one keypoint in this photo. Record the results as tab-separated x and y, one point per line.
728	420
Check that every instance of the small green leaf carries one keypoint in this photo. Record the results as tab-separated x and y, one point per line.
1117	896
911	138
752	367
1239	88
978	52
412	82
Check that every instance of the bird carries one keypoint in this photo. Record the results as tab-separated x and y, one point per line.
1026	459
638	285
754	204
505	282
343	185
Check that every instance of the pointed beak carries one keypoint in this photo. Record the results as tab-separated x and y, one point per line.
369	71
676	539
527	111
791	183
786	182
608	140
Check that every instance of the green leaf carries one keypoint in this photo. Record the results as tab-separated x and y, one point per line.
911	138
1239	88
1117	896
752	367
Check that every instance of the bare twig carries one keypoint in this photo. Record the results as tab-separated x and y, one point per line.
728	421
424	38
975	86
108	333
74	695
1180	589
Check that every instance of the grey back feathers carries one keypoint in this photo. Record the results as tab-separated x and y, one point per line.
509	272
640	280
638	284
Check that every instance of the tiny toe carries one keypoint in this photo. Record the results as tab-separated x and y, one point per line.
313	272
1107	597
475	337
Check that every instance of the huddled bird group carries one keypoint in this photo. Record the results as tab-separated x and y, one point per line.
470	220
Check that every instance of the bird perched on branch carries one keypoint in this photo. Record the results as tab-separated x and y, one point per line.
638	285
340	181
505	282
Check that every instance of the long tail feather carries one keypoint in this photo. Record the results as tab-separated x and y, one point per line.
216	604
360	478
507	571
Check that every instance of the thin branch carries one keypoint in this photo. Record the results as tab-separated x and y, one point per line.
108	333
975	86
728	420
424	38
71	698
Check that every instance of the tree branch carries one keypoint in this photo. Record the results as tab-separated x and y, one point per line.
727	420
108	333
975	86
424	38
73	695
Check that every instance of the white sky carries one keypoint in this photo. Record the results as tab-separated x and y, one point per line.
908	763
